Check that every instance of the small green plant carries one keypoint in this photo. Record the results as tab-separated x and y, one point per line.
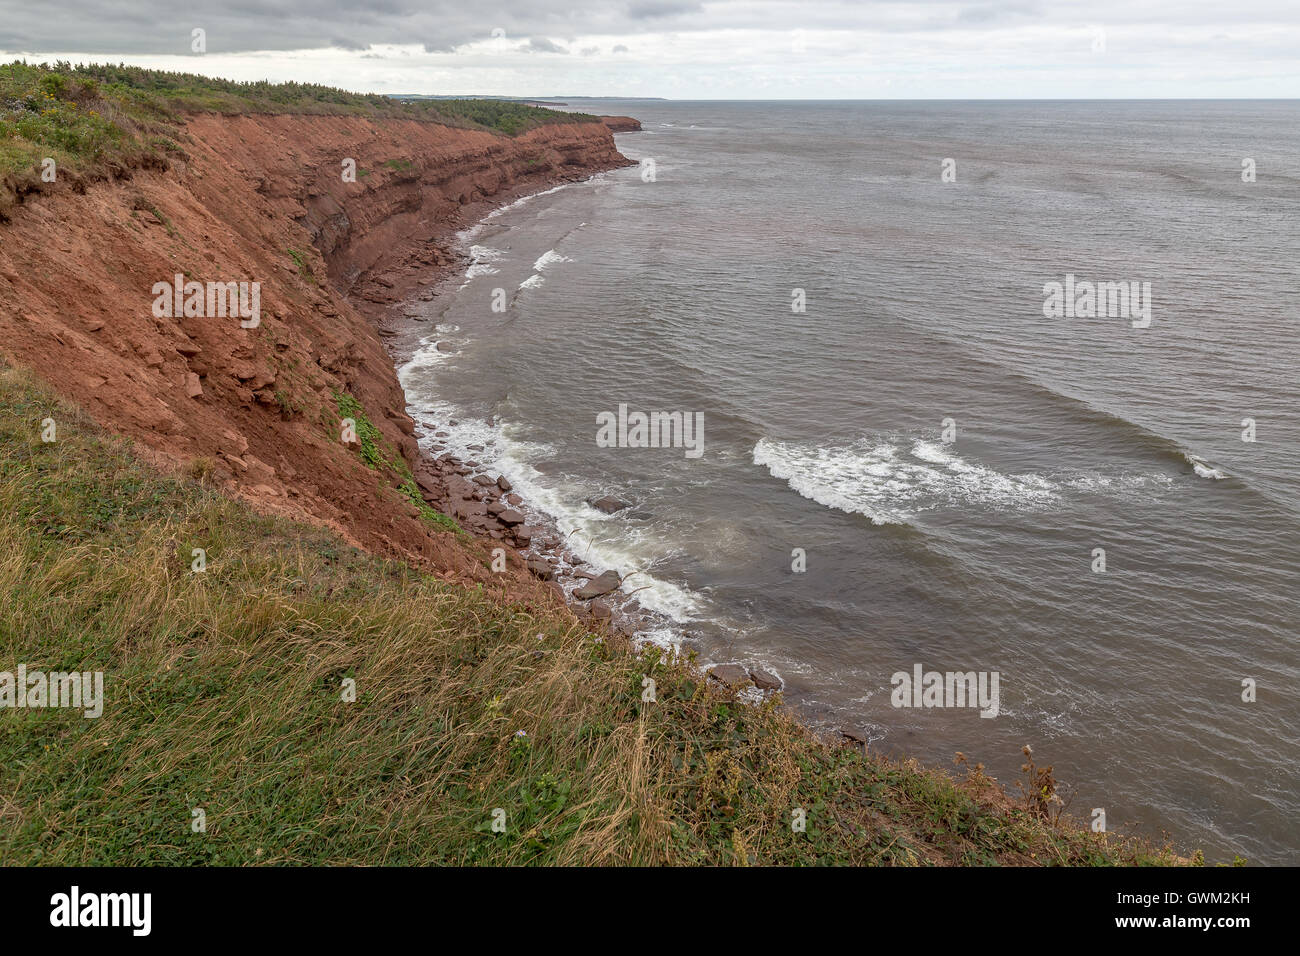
289	406
380	456
304	267
140	203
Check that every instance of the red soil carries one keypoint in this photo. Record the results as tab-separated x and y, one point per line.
78	264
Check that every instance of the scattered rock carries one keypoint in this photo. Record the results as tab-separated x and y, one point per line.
504	483
594	588
510	517
259	470
733	675
192	387
764	680
609	504
539	567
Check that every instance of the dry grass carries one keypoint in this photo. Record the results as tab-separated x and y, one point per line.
224	692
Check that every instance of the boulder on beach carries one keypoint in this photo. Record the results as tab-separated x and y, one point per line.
541	568
504	483
510	517
609	504
764	680
733	675
604	584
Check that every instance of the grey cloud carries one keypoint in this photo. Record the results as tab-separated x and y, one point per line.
990	13
542	45
649	9
163	26
135	27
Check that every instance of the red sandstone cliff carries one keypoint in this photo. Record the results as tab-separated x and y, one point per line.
622	124
263	198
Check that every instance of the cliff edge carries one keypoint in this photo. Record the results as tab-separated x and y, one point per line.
321	212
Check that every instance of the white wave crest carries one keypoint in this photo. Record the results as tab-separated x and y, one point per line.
600	542
1203	469
481	258
889	483
549	258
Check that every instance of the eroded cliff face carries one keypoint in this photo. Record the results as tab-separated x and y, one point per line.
264	199
621	124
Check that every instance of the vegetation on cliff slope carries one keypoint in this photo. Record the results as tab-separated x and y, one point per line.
90	116
224	693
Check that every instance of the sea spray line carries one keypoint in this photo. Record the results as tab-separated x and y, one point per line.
478	227
480	256
889	481
549	258
600	542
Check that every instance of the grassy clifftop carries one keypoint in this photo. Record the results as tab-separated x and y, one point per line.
87	116
224	692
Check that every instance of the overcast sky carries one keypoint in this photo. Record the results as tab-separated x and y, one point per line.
694	49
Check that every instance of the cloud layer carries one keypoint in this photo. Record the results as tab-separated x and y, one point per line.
697	48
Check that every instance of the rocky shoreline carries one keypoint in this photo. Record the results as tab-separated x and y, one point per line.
485	503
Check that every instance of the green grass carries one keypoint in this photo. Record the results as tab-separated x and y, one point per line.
223	692
304	267
87	116
380	456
